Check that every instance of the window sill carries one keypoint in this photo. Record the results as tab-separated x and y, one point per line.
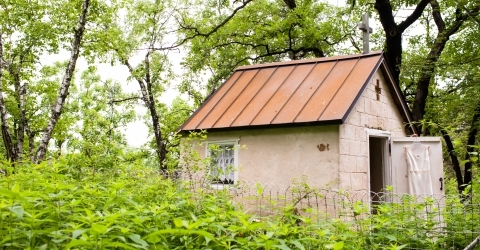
223	186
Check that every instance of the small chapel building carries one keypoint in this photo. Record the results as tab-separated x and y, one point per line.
331	120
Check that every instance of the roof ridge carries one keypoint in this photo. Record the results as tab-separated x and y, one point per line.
312	60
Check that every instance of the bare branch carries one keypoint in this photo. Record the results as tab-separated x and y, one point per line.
453	156
354	44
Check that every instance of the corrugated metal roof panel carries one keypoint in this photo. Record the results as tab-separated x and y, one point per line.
349	89
314	90
226	99
259	100
209	104
280	97
303	93
327	90
244	97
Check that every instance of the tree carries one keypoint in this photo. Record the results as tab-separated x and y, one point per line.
25	33
442	56
102	109
173	117
64	86
452	109
145	31
222	36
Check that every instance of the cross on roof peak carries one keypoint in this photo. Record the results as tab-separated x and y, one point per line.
363	26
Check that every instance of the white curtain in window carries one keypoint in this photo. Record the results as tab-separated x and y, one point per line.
225	165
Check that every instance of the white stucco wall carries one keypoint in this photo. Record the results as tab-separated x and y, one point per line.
281	155
368	113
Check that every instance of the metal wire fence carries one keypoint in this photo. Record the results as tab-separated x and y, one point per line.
441	222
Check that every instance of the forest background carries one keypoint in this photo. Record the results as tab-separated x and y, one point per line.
52	110
69	179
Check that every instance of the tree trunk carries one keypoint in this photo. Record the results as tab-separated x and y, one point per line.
467	175
63	93
454	159
149	100
31	142
394	32
20	92
466	178
428	68
7	138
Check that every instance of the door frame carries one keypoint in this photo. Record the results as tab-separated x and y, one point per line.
386	157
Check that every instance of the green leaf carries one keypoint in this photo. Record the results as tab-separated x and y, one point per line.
297	244
119	245
77	233
259	190
16	188
178	222
338	245
10	194
76	243
137	239
154	239
335	246
283	247
99	228
18	211
205	234
391	237
401	247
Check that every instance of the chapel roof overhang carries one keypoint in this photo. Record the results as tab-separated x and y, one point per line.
301	92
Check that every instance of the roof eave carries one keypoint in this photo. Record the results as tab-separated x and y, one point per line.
365	84
268	126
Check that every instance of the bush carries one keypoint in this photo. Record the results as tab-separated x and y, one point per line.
46	207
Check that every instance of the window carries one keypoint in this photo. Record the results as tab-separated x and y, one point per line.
224	162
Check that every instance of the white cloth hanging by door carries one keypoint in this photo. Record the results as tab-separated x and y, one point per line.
418	162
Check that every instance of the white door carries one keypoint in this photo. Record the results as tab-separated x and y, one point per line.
417	166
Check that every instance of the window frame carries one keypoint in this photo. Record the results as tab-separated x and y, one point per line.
232	142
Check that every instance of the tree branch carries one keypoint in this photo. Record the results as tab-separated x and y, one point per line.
437	16
124	100
467	178
469	13
213	30
414	16
290	4
429	65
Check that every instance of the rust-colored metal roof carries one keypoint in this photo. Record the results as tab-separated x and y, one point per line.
321	90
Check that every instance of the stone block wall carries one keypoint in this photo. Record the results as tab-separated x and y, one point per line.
368	113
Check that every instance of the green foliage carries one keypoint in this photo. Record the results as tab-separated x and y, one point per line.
97	140
172	118
257	32
131	207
